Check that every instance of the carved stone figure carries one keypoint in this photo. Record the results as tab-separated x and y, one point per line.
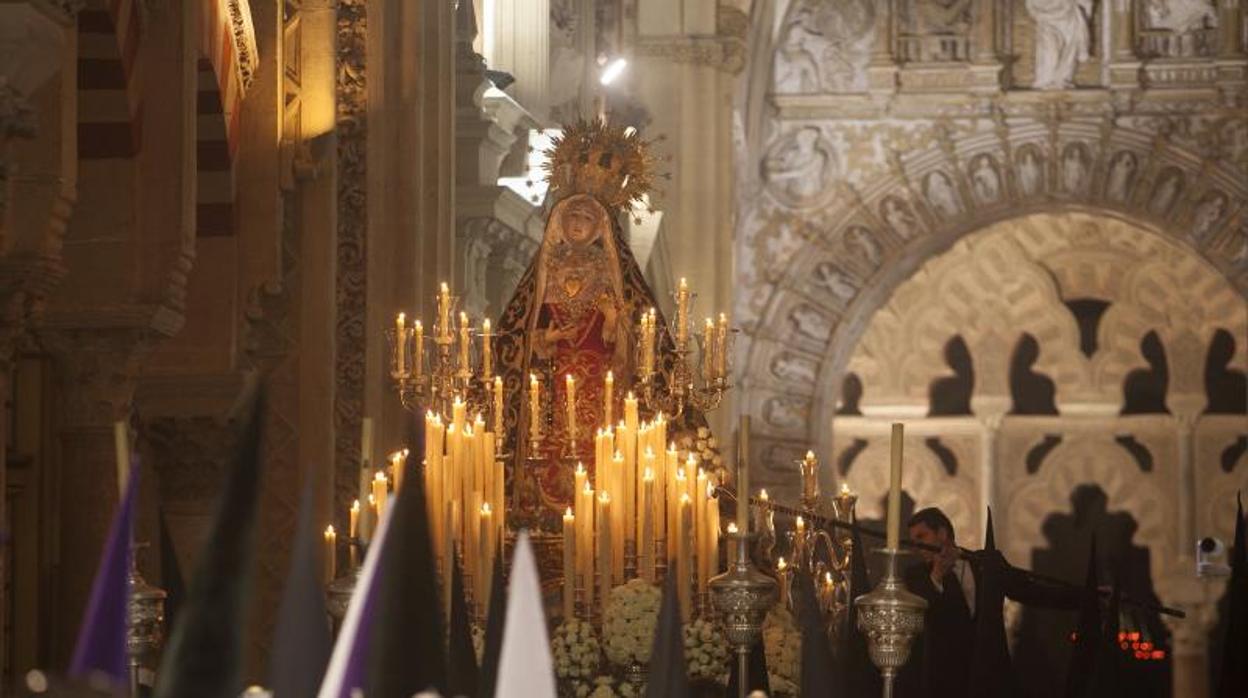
1062	35
811	323
799	166
944	16
897	214
1030	171
1181	16
831	279
1165	192
940	193
786	412
984	180
1075	161
825	46
861	242
1121	169
1208	214
567	61
790	367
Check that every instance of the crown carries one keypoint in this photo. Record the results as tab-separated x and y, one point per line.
610	163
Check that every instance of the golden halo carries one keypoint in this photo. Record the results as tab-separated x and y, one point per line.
613	164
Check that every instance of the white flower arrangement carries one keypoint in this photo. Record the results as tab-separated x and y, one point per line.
606	687
706	652
629	621
706	447
782	642
575	651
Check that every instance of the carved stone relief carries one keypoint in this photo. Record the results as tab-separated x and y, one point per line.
824	47
934	30
1062	40
799	167
1030	170
1208	214
1178	28
985	179
897	213
790	367
1122	169
1076	162
831	279
940	194
1166	190
810	323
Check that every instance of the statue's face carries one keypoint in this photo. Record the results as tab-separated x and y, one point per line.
578	223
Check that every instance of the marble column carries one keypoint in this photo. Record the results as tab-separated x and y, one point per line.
1186	409
518	42
990	411
1124	64
96	372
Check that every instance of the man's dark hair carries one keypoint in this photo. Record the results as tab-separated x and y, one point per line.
933	518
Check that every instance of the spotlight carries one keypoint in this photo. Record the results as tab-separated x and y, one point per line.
613	71
1210	558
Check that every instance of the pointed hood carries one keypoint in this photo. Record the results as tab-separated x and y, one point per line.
669	675
991	671
494	629
204	654
817	677
1233	677
462	676
1087	634
302	642
101	646
408	651
525	669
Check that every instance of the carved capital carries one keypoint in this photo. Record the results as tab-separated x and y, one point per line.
99	369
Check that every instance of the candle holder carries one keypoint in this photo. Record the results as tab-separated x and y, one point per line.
338	594
742	596
671	388
145	614
890	617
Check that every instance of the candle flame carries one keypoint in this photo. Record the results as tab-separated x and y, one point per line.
781	564
684	498
372	501
762	494
810	455
329	532
402	317
588	489
445	288
380	476
419	326
485	508
732	528
680	474
800	522
485	325
827	577
844	488
355	506
567	514
580	468
604	497
648	475
710	490
618	456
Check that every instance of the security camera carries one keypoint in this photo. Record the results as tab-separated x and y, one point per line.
1210	556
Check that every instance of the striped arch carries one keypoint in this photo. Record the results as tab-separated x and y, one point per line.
109	102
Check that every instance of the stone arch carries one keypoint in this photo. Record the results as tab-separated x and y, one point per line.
1089	458
805	298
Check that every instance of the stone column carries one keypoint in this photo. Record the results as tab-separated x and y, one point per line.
985	60
519	43
96	372
38	118
1231	34
882	70
1124	64
1186	411
990	411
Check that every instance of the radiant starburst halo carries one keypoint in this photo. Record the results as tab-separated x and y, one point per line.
611	163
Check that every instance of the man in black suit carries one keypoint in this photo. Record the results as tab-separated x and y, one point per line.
940	664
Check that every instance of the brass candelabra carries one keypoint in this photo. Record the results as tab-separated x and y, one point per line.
742	596
672	387
891	618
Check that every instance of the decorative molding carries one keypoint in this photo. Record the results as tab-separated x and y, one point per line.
726	51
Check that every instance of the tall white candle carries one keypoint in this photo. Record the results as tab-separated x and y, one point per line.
569	565
894	488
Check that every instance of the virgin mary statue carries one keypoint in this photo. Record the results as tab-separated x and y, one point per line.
573	316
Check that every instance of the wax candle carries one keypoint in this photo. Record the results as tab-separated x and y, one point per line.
608	398
400	346
585	543
485	558
721	347
685	557
679	488
648	462
743	475
894	488
682	313
701	536
353	542
418	365
708	350
570	393
464	342
535	432
487	354
604	554
396	467
810	478
569	565
355	518
444	312
380	491
121	445
732	547
617	518
712	528
645	554
331	546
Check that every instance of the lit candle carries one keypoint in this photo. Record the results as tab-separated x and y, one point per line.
121	445
708	350
380	490
498	405
355	518
645	556
608	398
682	313
585	543
487	355
444	312
353	542
700	532
418	366
331	546
721	347
732	548
712	528
570	392
673	513
569	565
396	467
464	342
810	480
782	570
685	557
894	489
604	553
535	432
617	519
400	346
485	558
